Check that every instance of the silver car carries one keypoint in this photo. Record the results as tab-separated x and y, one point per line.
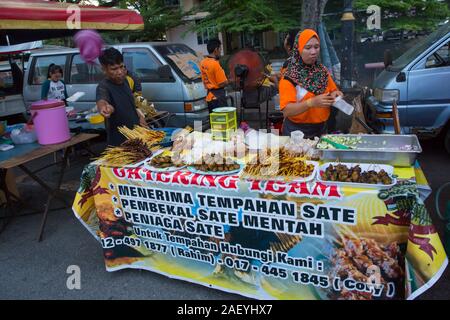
419	81
162	67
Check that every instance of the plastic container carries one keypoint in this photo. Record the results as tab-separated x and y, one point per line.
223	123
297	136
224	115
50	121
223	135
378	148
364	167
95	118
276	102
342	105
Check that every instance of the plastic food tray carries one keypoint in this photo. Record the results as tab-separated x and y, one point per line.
364	167
148	166
311	177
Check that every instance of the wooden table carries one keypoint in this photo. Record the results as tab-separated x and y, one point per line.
23	154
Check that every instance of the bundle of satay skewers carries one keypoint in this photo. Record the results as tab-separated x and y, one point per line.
148	136
277	163
141	143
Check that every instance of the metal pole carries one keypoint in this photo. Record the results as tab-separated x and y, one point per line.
348	30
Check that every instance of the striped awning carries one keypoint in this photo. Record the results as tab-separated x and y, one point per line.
27	20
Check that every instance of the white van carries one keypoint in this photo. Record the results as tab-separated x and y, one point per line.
169	72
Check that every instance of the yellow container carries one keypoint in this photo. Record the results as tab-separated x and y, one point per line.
223	118
95	118
223	135
231	124
223	123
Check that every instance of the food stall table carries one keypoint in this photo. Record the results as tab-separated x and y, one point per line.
25	153
264	239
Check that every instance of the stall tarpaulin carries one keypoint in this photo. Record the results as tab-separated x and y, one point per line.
29	20
264	239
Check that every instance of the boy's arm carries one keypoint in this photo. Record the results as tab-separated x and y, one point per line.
104	106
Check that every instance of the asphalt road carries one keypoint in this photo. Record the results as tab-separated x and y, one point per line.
32	270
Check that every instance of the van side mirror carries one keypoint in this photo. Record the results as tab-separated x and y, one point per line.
387	58
165	72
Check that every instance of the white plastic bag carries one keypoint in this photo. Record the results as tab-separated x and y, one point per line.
301	93
342	105
21	136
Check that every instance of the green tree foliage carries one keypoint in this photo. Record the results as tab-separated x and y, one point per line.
409	14
158	17
248	15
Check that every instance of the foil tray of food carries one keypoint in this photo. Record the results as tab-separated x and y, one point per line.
395	150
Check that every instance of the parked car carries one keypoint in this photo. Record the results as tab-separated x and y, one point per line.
169	74
366	37
419	82
443	22
392	35
409	34
423	32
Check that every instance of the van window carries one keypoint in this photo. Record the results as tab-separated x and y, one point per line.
420	47
39	73
142	63
440	58
6	81
82	72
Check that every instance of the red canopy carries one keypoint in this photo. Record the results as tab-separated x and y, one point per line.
29	20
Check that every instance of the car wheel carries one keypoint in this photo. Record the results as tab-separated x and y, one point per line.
447	141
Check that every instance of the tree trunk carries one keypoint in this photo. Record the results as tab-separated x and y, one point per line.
312	13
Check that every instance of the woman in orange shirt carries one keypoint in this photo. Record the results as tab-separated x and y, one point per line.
307	90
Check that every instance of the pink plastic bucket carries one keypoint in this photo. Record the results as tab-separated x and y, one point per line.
50	121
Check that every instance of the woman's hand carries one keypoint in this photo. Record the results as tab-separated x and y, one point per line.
323	100
336	94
